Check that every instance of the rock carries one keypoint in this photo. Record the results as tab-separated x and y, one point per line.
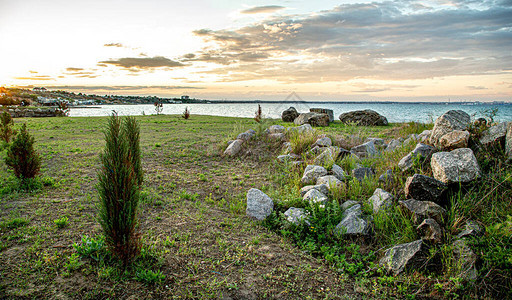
380	200
323	142
365	150
424	136
277	136
259	205
349	203
430	231
361	173
454	140
329	180
287	157
338	172
421	210
393	145
424	188
421	152
411	139
276	129
289	115
448	122
471	229
245	136
314	196
466	260
343	153
352	222
251	131
328	112
234	148
376	141
314	119
404	257
301	129
459	165
327	157
364	118
387	177
508	141
495	134
311	175
296	216
287	147
322	188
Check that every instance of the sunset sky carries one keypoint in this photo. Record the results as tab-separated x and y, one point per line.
322	50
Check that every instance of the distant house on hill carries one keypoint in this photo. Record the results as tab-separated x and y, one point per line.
185	97
39	89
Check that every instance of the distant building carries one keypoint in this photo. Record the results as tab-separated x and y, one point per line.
185	97
39	89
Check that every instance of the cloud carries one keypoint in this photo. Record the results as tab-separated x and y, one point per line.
143	63
38	77
118	45
472	87
71	69
262	9
388	40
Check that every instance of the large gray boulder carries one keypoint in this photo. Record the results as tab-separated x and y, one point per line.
353	223
459	165
454	140
380	200
311	174
296	216
404	257
421	152
364	118
259	205
421	210
234	147
326	111
495	134
314	119
448	122
289	115
424	188
314	196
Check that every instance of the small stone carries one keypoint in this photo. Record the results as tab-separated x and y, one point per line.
387	177
495	134
393	145
459	165
404	257
361	173
259	205
314	196
424	188
421	152
471	229
301	129
421	210
234	148
338	172
353	210
322	188
380	200
276	129
277	136
244	136
311	175
329	180
327	157
296	216
323	142
287	157
466	259
353	225
430	231
349	203
365	150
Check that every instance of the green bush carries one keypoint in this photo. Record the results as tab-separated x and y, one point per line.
118	187
6	123
21	156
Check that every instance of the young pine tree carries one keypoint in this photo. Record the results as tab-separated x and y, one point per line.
6	123
118	188
21	156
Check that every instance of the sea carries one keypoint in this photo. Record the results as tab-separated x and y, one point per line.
394	112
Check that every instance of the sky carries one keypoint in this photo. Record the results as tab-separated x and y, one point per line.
433	50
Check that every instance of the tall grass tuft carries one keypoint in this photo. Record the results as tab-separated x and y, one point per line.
118	188
22	158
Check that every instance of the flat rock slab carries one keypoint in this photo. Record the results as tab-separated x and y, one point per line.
323	142
403	257
459	165
259	205
421	210
424	188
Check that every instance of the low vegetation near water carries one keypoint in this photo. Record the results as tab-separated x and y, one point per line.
196	241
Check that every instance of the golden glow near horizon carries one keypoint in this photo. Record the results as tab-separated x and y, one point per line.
348	50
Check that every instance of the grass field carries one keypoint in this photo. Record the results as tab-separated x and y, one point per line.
197	241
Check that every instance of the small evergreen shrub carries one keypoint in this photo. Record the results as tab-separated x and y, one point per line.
118	187
22	157
6	123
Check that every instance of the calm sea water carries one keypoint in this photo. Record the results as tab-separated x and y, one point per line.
394	112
